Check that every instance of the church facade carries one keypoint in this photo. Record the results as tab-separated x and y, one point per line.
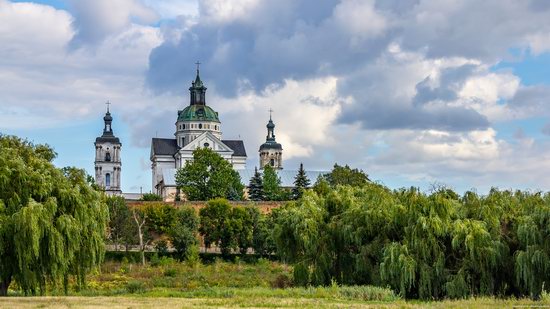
196	126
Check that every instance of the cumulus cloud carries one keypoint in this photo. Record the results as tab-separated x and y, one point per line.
405	89
95	20
43	85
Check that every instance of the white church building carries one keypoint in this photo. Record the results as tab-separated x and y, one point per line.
197	126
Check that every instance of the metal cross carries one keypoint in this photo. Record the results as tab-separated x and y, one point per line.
270	111
108	103
198	65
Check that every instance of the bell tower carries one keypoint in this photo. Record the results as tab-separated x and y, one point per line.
271	152
107	158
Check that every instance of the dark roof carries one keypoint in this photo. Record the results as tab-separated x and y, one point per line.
236	146
107	139
271	145
164	146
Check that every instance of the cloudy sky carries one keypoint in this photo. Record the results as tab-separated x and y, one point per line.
414	92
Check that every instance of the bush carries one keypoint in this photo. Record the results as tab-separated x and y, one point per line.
282	281
135	287
170	272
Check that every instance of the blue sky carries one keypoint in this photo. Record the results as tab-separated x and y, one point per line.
410	91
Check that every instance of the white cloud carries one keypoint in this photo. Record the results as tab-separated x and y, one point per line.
304	115
95	20
46	85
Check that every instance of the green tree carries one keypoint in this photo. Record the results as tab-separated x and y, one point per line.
243	219
256	187
52	223
119	219
209	176
161	217
215	225
183	233
139	214
301	183
272	184
262	239
344	175
322	186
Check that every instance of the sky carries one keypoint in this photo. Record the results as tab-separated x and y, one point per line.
413	92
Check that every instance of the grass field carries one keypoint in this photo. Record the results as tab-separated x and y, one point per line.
254	302
165	283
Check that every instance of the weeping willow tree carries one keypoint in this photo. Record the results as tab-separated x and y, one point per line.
422	245
52	223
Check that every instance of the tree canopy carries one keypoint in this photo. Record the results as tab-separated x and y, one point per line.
423	245
209	176
345	175
272	185
52	222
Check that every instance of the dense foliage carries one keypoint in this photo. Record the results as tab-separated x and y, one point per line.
422	245
209	176
183	234
346	176
121	226
52	222
233	228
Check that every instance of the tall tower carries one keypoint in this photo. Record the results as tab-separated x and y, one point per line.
271	152
107	158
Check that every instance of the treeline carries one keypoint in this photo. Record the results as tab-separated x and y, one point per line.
163	226
209	176
427	246
422	245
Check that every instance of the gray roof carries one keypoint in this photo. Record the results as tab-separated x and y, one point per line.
164	146
169	147
236	146
286	176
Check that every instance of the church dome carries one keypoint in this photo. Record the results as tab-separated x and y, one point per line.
198	113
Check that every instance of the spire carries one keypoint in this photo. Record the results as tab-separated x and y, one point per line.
197	89
270	128
108	130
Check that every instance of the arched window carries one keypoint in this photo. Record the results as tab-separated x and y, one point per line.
200	125
272	162
184	126
108	157
107	180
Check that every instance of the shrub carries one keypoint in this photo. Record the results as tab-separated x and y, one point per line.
170	272
135	287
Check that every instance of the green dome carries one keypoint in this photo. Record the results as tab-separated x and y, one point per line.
198	112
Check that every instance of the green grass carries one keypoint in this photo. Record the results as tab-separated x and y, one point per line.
166	283
241	301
